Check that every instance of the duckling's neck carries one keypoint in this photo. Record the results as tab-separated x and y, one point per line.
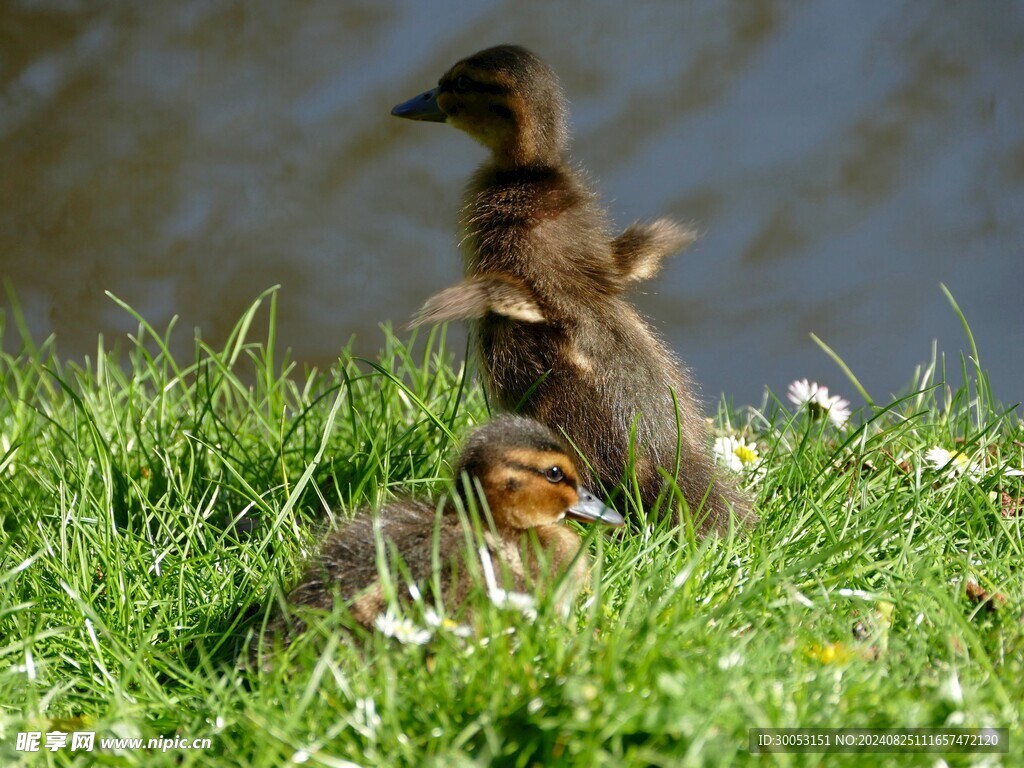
559	542
525	150
498	196
502	205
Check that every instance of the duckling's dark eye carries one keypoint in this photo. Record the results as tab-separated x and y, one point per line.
462	83
554	474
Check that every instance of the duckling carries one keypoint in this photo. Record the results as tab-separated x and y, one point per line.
531	486
554	337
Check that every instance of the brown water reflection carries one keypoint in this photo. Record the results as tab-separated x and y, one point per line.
841	160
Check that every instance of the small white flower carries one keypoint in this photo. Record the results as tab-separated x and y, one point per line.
437	621
401	629
516	601
802	392
735	453
502	598
819	403
838	411
459	630
365	717
950	690
954	463
730	660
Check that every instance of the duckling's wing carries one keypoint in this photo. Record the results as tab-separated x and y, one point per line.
639	250
475	296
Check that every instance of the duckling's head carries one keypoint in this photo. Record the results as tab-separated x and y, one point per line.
528	476
507	99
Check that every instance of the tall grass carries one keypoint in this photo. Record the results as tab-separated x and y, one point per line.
153	509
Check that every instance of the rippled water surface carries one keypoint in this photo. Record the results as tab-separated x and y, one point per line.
840	159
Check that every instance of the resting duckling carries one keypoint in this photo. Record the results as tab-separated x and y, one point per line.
555	338
531	486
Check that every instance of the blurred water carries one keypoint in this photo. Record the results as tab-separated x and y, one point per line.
841	160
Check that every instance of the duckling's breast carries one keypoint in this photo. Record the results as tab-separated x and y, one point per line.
533	560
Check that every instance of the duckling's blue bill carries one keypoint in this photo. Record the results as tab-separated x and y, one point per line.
590	509
422	107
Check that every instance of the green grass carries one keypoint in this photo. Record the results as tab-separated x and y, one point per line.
148	503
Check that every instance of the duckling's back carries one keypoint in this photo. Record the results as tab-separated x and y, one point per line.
347	566
418	543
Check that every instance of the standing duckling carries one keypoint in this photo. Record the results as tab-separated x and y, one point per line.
531	486
555	338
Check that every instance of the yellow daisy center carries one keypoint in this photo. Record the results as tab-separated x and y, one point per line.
961	460
745	454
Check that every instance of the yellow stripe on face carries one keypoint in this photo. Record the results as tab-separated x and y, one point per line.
537	461
532	457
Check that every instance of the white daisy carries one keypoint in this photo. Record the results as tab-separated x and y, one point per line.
503	598
367	721
735	453
819	403
950	689
838	411
401	629
953	462
437	621
516	601
730	660
802	392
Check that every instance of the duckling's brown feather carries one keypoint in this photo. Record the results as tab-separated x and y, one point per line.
347	564
642	246
475	296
